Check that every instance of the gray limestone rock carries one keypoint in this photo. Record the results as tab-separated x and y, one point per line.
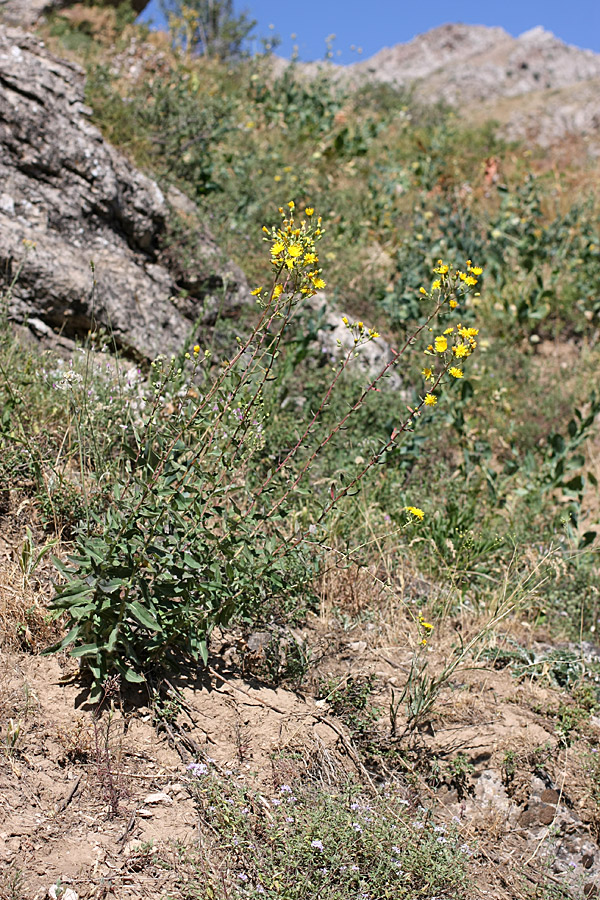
66	190
26	12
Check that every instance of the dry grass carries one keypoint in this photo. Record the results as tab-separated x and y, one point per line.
25	622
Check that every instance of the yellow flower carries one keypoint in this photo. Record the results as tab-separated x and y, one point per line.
310	258
345	320
277	248
422	290
441	344
427	374
436	285
265	229
427	625
277	178
277	291
476	270
292	205
309	211
472	332
449	330
461	350
415	511
430	399
256	291
470	280
455	372
441	268
373	334
295	250
318	283
453	304
196	348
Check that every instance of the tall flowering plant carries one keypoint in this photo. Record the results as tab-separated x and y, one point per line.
189	540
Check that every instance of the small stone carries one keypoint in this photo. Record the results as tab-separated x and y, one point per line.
540	814
132	847
357	646
55	892
160	797
549	796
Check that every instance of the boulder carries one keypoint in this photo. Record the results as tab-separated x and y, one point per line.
68	199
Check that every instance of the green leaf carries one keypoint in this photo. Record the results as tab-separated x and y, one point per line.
85	650
134	677
68	639
143	616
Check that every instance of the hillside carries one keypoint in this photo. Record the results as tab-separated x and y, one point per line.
299	465
553	88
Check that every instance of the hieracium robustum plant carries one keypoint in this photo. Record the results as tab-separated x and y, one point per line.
192	536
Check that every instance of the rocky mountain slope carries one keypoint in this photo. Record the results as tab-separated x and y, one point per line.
445	60
535	85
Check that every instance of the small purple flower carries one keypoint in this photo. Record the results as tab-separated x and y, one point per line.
318	845
442	840
242	876
285	789
275	802
357	827
355	806
198	769
289	819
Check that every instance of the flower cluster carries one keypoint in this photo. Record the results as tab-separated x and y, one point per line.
457	342
451	285
425	629
359	331
293	255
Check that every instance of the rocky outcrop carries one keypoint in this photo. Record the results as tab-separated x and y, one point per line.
65	189
26	12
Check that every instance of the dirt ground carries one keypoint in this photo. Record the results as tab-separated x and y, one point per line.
82	797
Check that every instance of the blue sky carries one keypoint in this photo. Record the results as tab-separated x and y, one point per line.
373	24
